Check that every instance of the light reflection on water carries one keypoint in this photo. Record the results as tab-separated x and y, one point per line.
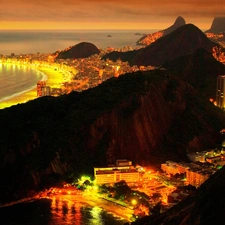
15	79
56	212
67	212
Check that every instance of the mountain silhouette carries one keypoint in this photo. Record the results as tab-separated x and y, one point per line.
184	40
81	50
218	25
150	38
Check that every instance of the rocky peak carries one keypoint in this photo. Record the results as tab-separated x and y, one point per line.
178	23
218	25
184	40
150	38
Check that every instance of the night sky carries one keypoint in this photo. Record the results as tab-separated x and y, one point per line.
103	14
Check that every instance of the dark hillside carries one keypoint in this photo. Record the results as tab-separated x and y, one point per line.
199	69
81	50
125	56
136	116
150	38
184	40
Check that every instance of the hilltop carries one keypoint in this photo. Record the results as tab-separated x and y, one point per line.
217	31
218	25
81	50
150	38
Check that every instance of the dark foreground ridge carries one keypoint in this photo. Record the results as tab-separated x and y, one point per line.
139	116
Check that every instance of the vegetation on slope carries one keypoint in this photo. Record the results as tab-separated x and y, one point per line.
141	114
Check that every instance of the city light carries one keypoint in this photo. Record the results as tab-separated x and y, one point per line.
134	202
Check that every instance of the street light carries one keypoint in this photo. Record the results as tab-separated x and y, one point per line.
134	202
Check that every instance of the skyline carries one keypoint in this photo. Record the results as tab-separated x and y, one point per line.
100	14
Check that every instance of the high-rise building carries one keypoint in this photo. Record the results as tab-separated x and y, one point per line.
220	91
42	89
40	86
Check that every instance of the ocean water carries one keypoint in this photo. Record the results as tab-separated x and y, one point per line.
25	42
16	79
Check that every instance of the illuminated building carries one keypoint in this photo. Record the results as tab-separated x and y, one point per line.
197	156
197	177
40	86
196	173
123	162
173	168
47	91
42	89
112	174
220	101
214	159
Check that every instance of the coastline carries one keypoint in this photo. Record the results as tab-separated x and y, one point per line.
85	199
53	79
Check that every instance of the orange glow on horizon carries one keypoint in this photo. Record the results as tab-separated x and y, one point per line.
49	25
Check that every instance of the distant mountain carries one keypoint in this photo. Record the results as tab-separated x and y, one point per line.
217	31
218	25
81	50
183	41
146	117
205	207
150	38
199	69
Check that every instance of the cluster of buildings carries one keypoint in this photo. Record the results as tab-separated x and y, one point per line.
45	90
212	156
92	71
202	165
195	172
81	73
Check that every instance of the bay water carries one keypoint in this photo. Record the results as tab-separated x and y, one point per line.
15	80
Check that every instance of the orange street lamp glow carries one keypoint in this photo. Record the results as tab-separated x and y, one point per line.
134	202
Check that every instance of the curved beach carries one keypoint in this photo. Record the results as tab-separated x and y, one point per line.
54	79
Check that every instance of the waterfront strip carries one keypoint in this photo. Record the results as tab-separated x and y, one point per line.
54	79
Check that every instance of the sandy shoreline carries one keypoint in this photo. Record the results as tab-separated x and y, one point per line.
86	200
54	79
